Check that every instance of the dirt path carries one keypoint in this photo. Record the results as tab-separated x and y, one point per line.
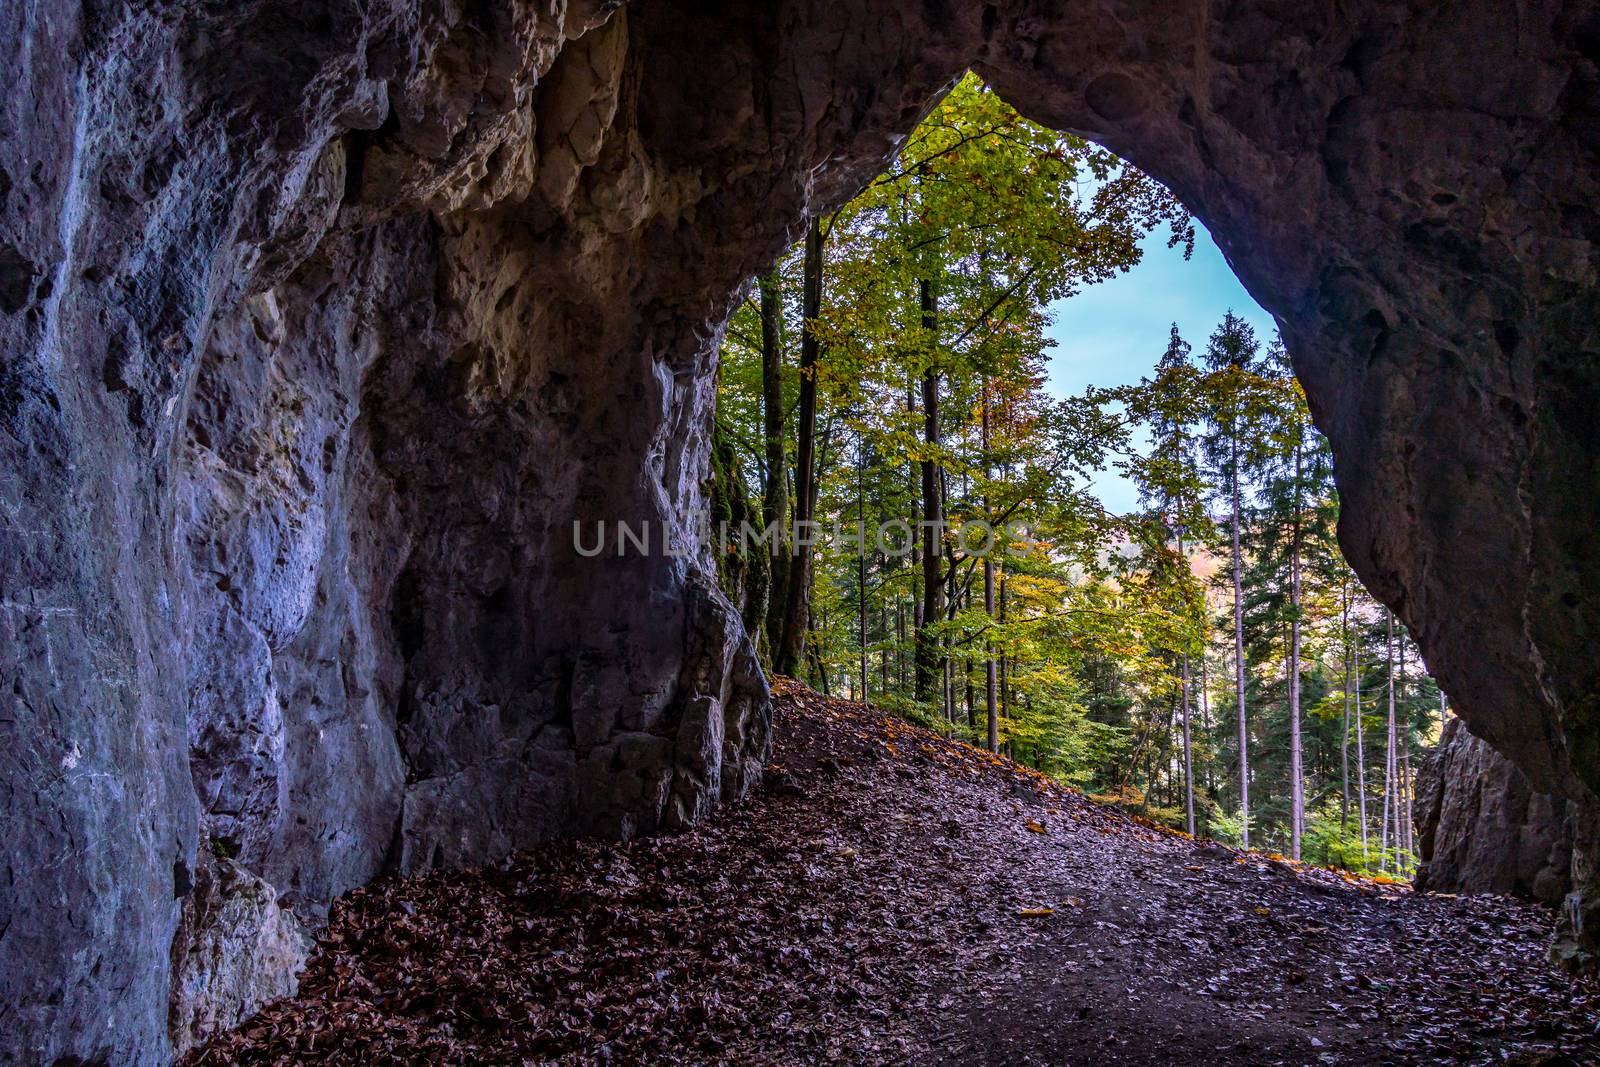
891	897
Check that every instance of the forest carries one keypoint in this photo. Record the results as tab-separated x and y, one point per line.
1208	660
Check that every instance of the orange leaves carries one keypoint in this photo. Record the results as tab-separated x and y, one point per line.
1049	909
1036	826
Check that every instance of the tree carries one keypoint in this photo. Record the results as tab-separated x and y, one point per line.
1092	646
1231	356
797	598
1171	482
1293	539
929	658
775	491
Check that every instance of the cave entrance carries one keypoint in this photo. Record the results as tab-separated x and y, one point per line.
1034	443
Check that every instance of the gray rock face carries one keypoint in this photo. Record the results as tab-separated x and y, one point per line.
235	949
1482	828
322	325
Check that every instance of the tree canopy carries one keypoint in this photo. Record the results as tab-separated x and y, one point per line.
1197	659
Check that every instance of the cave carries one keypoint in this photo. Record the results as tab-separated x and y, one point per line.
323	323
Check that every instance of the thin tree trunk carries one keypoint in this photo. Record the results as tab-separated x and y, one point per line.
786	658
1344	735
1383	830
883	628
953	600
1205	726
775	500
914	487
1404	810
990	703
1297	792
1188	754
929	653
899	644
818	667
1238	653
1006	666
1389	767
861	556
1361	759
949	691
971	692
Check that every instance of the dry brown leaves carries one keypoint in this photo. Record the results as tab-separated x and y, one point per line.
883	898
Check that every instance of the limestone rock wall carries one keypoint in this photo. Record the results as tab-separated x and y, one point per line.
322	322
1482	829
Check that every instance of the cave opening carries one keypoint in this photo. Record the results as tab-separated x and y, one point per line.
320	334
981	353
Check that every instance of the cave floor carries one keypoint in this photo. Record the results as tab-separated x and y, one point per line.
888	896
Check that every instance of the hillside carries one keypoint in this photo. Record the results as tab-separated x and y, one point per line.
889	896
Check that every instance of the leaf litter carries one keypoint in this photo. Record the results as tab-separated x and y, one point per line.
878	900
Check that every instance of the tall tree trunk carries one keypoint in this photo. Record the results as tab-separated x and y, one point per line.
1389	766
775	500
786	658
1344	734
1403	812
813	654
1238	649
883	628
914	488
861	555
1006	665
946	644
930	655
899	643
1361	757
952	603
1205	727
1188	754
990	704
1297	791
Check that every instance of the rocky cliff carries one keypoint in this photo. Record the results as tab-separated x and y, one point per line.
322	323
1482	829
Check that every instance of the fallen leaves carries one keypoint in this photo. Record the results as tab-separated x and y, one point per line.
748	941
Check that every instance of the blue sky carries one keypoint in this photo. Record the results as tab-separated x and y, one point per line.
1113	333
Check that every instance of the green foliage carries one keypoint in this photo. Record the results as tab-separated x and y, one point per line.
1094	630
1226	827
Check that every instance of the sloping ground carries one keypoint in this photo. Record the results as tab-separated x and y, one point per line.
890	896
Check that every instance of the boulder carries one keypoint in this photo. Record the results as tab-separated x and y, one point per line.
1482	828
236	947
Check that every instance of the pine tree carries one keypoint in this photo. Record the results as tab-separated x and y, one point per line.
1171	483
1232	357
1292	538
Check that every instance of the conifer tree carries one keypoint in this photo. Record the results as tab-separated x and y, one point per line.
1232	356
